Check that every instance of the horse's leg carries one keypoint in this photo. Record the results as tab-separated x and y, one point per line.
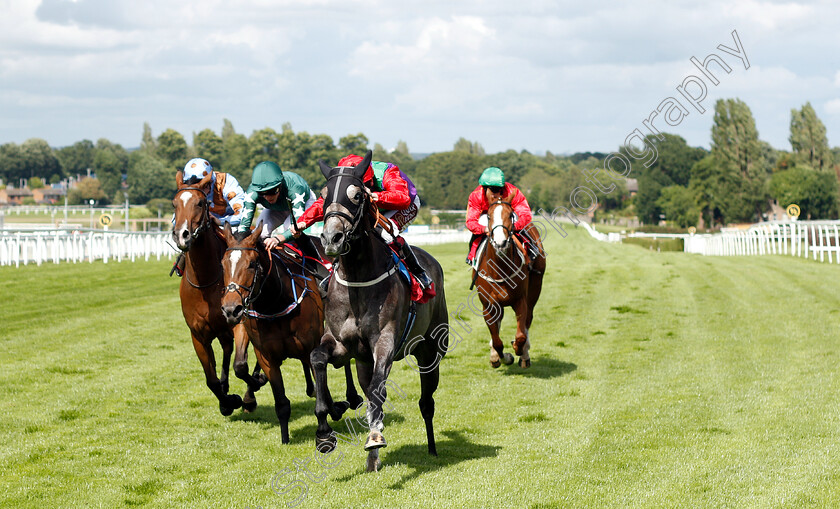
227	402
428	385
326	350
307	373
537	272
226	341
497	348
521	343
353	398
282	405
373	381
375	440
240	368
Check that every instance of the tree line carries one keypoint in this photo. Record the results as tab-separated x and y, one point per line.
735	181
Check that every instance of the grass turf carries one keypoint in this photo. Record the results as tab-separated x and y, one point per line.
658	380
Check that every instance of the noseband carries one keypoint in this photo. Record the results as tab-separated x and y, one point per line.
234	287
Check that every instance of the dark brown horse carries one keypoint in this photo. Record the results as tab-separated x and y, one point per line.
368	312
507	278
281	309
198	238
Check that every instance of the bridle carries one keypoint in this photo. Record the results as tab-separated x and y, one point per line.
356	219
507	230
202	225
205	216
234	287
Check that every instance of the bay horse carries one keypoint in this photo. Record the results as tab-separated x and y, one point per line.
196	235
506	278
282	313
368	311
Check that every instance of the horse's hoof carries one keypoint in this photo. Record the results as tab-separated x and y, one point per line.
231	403
495	364
355	401
338	410
373	464
249	406
525	363
325	445
375	441
507	359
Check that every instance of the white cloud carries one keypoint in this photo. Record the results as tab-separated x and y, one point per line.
833	107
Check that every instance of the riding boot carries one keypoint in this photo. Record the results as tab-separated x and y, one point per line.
470	247
179	266
323	286
414	266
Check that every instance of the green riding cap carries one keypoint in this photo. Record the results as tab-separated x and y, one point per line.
267	175
492	177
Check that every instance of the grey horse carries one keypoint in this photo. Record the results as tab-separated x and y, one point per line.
369	314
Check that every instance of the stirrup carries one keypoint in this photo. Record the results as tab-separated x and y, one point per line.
324	285
424	280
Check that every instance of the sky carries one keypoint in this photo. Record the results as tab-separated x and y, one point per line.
535	75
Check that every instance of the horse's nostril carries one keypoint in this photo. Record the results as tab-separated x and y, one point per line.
185	234
237	311
337	238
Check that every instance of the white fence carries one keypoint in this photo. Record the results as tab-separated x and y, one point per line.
24	247
818	240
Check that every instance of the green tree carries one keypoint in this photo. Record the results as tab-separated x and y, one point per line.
148	143
12	165
208	145
235	154
263	145
77	158
87	189
444	180
679	206
814	191
808	138
672	166
36	183
110	162
738	152
464	145
149	178
39	159
172	149
353	144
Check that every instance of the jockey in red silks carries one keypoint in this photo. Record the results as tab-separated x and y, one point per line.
395	196
492	187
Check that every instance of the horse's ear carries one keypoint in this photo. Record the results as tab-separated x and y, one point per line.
362	167
227	230
216	221
206	180
179	179
325	168
257	232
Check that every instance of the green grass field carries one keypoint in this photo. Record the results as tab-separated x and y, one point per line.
658	380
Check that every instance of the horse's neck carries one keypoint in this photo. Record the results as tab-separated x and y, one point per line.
205	255
367	259
272	291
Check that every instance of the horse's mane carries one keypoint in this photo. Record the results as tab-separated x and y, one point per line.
240	236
